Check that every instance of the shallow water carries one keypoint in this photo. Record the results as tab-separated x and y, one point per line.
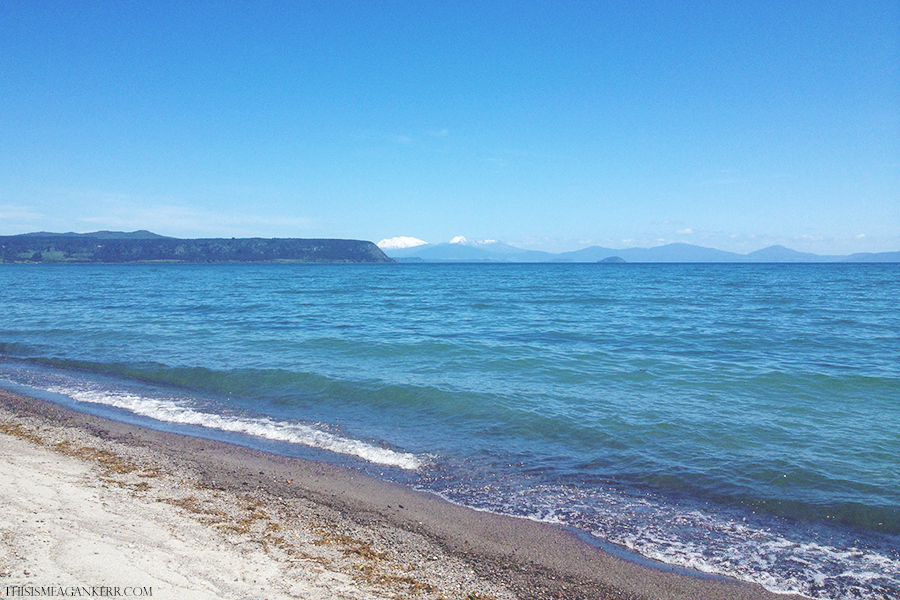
736	419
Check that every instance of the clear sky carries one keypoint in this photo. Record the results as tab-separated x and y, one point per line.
548	125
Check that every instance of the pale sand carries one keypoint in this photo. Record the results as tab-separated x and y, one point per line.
90	502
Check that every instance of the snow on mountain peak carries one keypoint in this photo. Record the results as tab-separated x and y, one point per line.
467	242
395	243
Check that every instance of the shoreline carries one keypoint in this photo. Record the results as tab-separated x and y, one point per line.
370	538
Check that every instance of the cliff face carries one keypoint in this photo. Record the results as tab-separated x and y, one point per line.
88	248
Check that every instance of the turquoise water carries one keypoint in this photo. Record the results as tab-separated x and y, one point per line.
736	419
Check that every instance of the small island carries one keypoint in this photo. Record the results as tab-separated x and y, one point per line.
145	246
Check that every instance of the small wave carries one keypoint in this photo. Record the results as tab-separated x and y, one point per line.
761	555
169	411
823	564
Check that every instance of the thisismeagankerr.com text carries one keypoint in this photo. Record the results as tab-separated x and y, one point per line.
35	591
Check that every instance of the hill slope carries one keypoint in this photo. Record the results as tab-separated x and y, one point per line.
143	246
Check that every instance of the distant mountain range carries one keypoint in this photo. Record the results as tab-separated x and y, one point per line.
493	251
144	246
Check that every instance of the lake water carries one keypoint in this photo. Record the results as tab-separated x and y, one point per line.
735	419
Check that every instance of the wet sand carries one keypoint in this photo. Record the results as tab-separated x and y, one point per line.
85	501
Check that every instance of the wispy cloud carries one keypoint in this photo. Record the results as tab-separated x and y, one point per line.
116	211
687	231
18	213
187	220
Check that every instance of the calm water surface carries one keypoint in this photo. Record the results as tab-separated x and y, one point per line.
736	419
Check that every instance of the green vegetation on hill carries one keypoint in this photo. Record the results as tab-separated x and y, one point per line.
114	247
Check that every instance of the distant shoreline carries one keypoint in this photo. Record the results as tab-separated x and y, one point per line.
145	247
477	252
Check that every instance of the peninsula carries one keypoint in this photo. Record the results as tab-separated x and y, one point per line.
144	246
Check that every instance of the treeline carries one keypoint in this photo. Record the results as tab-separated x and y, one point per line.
85	248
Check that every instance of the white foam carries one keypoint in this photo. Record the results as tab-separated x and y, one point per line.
757	560
169	411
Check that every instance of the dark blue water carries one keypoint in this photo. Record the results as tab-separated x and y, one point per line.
736	419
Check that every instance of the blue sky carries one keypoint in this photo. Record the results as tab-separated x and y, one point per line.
548	125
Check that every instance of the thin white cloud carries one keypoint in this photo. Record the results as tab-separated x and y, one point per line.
174	219
687	231
22	213
20	219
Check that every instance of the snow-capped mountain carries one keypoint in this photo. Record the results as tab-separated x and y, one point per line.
395	243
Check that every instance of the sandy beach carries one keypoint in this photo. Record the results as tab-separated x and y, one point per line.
96	507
